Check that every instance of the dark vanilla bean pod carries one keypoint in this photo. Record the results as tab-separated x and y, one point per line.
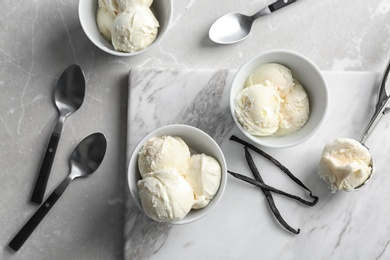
272	189
274	161
268	194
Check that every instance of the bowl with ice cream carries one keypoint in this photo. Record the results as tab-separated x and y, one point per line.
278	98
177	174
125	27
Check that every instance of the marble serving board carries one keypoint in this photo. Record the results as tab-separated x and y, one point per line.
343	225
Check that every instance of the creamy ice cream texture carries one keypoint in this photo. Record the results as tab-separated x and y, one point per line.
163	152
204	176
169	173
294	111
345	164
106	14
165	195
257	109
272	102
129	25
279	75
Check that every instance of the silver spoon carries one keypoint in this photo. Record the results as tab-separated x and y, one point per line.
235	27
85	160
68	97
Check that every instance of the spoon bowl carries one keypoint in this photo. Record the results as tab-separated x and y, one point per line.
235	27
87	156
231	28
70	90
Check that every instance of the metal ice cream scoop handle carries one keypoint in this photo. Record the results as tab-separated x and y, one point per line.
382	105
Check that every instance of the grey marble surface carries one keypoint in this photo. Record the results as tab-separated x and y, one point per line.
40	38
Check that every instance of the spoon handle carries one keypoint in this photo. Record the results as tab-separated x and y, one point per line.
44	172
34	221
279	4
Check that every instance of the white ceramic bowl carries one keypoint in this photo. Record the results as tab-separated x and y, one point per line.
196	140
311	79
87	16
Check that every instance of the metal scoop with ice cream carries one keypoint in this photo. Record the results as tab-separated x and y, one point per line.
346	164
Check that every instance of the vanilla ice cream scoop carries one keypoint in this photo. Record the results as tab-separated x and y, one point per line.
162	153
279	75
106	14
134	29
257	109
165	195
345	164
294	111
204	176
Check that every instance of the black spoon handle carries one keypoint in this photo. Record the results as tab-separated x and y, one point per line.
43	176
34	221
279	4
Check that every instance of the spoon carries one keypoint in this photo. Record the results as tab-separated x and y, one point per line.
68	97
235	27
85	160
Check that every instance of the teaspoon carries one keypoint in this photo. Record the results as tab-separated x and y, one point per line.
85	160
68	97
235	27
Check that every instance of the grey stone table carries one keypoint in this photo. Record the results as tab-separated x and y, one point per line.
38	39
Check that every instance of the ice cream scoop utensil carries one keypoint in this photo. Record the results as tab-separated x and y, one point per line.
85	160
68	97
382	106
235	27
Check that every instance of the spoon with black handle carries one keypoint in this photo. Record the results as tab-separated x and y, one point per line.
85	160
69	95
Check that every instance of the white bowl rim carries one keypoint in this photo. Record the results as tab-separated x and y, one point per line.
218	196
258	140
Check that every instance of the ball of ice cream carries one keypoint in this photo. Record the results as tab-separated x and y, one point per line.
106	14
345	164
294	111
204	176
165	195
257	109
162	153
134	29
278	74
